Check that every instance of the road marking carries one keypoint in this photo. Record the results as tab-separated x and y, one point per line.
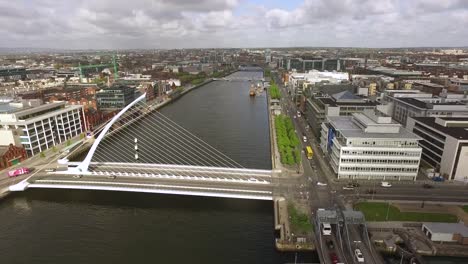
154	185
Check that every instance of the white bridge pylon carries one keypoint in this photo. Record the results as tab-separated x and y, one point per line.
83	167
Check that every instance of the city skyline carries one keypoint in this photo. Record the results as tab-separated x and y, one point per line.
150	24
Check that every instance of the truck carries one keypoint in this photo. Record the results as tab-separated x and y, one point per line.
18	172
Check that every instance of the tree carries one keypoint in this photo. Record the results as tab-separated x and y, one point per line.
68	143
42	155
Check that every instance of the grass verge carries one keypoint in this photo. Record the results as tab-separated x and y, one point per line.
378	212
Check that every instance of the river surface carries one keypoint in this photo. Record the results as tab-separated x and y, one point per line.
73	226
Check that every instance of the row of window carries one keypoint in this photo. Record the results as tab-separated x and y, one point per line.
381	161
380	153
384	143
378	169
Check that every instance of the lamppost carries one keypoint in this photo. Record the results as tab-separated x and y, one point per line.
388	210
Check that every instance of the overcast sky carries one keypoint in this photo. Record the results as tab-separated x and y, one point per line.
111	24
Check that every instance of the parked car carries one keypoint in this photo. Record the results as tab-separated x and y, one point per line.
386	184
304	138
348	187
359	256
321	184
427	186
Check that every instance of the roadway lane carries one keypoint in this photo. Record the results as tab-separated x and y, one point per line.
408	192
215	173
326	195
152	185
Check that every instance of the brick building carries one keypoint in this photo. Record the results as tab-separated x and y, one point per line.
11	155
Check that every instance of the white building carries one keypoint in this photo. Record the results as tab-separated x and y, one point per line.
446	232
444	144
368	146
40	127
314	76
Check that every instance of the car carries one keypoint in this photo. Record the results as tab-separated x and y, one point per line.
111	177
348	187
438	179
427	186
294	117
49	170
330	244
77	176
321	184
304	138
359	256
386	184
334	258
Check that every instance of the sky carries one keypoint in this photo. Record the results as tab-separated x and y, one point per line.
168	24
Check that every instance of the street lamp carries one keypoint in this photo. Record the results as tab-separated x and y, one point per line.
388	210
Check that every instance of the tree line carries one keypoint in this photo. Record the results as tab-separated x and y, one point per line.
287	140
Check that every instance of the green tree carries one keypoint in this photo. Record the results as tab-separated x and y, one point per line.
68	142
42	155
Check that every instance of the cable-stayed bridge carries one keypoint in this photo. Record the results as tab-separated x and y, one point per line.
142	150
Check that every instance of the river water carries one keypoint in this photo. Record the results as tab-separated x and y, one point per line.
64	226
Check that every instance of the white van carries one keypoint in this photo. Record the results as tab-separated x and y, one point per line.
326	229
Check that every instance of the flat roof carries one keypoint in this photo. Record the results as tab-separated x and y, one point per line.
348	128
414	102
456	132
453	228
331	102
433	85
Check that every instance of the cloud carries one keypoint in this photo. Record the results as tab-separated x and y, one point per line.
231	23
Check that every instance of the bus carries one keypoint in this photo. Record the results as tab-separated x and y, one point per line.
18	172
309	152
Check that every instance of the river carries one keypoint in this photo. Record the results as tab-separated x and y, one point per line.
63	226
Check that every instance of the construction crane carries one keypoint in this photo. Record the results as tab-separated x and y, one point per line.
97	66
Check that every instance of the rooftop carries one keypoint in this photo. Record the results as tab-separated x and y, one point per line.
454	228
445	125
432	103
363	126
428	84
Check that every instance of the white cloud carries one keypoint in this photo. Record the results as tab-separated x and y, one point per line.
231	23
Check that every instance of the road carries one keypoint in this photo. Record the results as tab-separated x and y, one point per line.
316	173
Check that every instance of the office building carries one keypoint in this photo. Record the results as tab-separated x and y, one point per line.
370	146
404	105
444	144
38	128
345	103
115	97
